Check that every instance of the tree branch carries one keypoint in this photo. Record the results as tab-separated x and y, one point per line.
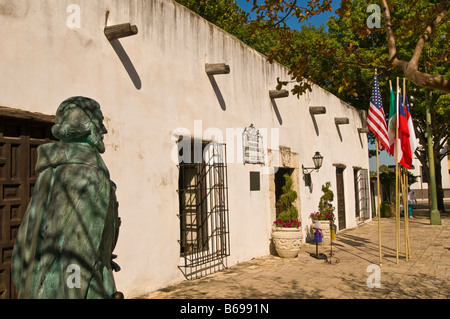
287	14
426	34
410	69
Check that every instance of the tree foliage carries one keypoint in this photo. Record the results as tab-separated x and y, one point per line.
226	14
413	37
289	212
326	201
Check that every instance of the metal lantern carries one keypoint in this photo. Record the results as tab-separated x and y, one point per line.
317	160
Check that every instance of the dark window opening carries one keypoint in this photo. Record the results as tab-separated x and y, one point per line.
203	209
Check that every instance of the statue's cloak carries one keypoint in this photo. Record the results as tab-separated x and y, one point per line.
69	228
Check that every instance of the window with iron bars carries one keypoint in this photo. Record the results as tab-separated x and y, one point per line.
203	210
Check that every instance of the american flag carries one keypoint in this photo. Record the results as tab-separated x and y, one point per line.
376	121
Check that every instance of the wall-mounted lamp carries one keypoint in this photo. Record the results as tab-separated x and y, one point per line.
317	160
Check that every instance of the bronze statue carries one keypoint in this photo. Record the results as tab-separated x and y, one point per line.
64	245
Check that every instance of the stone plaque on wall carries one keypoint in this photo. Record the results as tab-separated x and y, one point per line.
252	142
285	153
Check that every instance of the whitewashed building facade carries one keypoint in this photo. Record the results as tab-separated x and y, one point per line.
160	99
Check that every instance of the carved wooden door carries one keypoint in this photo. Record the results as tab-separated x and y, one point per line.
340	197
19	140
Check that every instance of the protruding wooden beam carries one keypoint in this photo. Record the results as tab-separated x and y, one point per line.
341	120
25	115
317	110
217	68
120	31
275	94
363	130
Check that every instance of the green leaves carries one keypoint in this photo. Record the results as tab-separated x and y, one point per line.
288	210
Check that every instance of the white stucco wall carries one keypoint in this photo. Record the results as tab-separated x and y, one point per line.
43	62
423	186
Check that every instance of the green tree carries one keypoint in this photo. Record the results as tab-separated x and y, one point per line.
326	208
343	58
289	213
410	28
226	14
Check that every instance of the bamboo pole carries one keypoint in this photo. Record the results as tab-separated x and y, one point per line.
405	190
378	205
408	243
397	199
405	200
378	199
405	208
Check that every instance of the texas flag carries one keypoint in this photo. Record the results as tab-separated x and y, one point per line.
405	156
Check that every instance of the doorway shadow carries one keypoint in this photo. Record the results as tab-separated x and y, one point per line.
126	62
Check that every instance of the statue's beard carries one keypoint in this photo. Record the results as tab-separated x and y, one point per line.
96	140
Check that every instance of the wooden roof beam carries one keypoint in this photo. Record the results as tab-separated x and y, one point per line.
120	31
276	94
317	110
341	120
217	68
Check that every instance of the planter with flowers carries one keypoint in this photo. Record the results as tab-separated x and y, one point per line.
325	215
286	235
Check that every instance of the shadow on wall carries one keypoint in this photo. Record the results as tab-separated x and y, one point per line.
277	112
126	62
219	95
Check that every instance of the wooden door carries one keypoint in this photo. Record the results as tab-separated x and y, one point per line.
19	140
340	197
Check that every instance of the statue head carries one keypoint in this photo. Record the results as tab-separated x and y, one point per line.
79	119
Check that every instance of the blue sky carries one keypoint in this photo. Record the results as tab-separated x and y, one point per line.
384	158
316	20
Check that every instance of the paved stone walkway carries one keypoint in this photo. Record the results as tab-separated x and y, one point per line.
426	275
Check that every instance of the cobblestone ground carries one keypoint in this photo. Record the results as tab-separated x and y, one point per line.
425	275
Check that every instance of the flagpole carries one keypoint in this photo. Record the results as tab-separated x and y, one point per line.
405	200
406	193
378	199
408	246
378	204
397	199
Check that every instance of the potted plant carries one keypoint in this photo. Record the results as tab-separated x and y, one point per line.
287	236
325	215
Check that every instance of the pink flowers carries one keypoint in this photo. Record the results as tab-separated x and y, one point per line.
289	224
321	216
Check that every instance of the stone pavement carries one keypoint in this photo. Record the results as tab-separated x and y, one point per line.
426	275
